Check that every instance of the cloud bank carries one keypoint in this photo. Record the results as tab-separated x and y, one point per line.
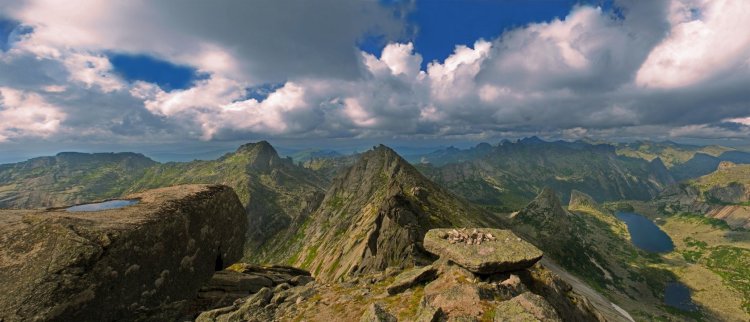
651	69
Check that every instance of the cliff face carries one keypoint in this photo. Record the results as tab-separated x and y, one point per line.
140	262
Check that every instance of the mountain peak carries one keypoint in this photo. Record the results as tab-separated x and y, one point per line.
384	158
580	200
261	154
260	146
544	210
532	140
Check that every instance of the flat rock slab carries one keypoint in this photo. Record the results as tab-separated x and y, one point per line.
507	252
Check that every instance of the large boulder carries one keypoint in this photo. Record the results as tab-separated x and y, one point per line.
482	250
140	262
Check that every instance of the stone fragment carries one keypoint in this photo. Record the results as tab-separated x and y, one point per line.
410	278
526	307
301	280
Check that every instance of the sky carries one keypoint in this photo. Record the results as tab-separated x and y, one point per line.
193	76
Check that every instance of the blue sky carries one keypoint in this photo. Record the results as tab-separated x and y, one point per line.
474	19
146	68
6	27
196	75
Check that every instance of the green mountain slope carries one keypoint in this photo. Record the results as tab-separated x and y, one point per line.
507	176
69	178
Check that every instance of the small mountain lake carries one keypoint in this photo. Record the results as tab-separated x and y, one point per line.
645	234
677	295
106	205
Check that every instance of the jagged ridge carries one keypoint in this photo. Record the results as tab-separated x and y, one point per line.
375	215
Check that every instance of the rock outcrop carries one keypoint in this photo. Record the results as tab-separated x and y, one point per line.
410	278
141	262
502	252
242	280
723	165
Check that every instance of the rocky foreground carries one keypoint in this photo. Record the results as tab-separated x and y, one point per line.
141	262
451	288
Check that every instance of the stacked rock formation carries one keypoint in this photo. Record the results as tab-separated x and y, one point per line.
501	251
462	236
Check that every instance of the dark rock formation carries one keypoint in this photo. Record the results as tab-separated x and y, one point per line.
241	280
136	263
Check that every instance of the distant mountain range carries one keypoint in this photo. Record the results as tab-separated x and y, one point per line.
502	177
508	175
684	161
